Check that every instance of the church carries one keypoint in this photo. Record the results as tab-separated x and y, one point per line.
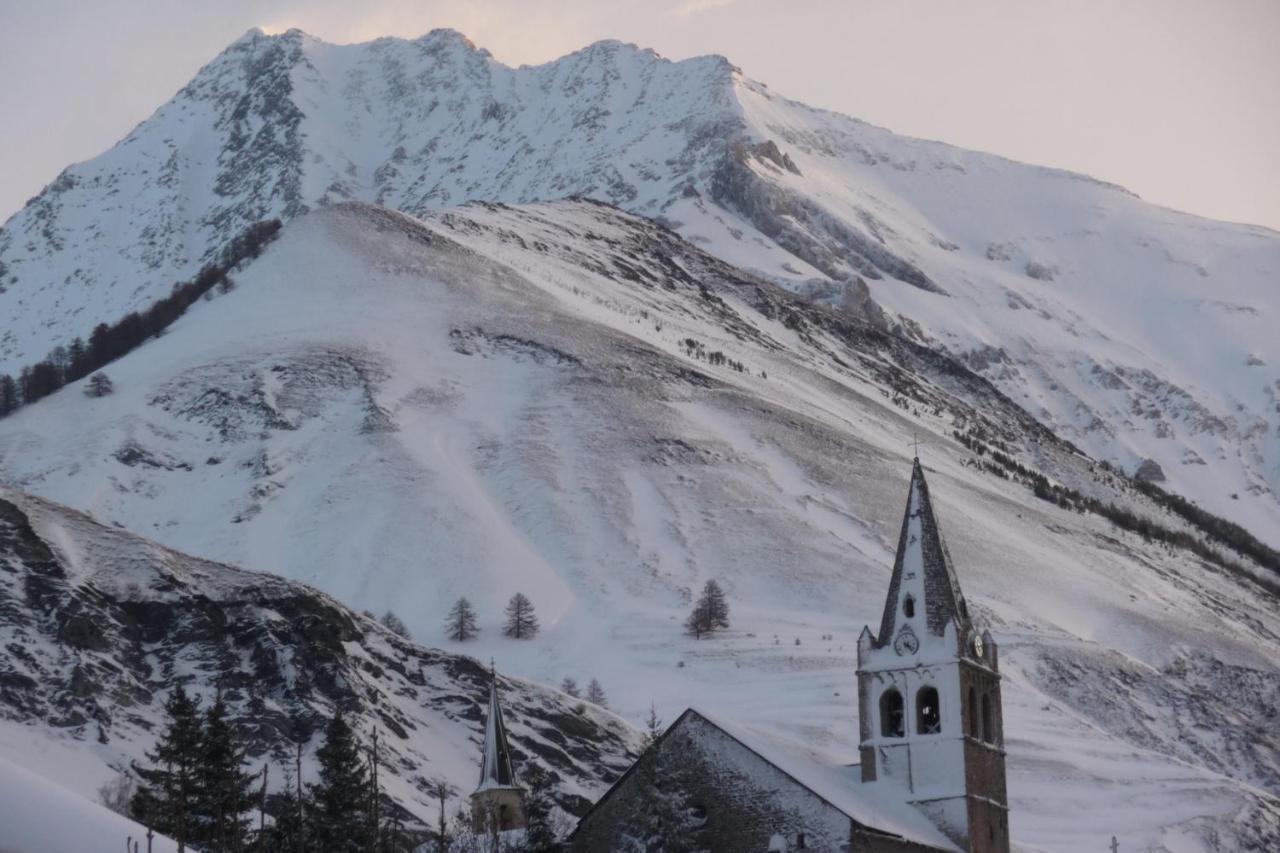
932	770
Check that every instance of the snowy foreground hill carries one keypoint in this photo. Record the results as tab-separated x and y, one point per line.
568	401
96	624
1133	331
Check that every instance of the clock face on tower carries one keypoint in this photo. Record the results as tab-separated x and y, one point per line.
977	645
906	642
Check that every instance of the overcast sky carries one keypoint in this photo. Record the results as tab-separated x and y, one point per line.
1178	100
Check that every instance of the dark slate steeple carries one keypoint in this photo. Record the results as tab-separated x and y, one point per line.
495	768
923	583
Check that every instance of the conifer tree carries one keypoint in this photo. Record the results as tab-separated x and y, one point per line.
461	622
540	832
100	385
224	792
395	625
10	397
521	623
710	613
595	694
570	686
440	789
663	818
339	801
652	726
285	833
166	797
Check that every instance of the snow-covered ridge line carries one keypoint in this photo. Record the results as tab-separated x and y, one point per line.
1135	332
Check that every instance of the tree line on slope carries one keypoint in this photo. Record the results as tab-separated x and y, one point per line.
710	613
196	791
1225	532
109	341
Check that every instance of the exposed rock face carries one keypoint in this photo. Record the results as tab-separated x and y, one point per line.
1149	471
98	625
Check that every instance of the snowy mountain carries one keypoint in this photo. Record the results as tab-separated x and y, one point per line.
1133	331
98	624
572	402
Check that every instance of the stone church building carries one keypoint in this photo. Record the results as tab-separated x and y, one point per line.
932	769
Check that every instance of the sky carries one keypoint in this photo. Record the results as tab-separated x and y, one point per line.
1177	100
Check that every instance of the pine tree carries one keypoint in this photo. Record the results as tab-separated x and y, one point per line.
224	792
540	832
339	801
395	625
461	624
10	397
521	623
652	726
570	686
285	835
595	694
663	818
166	798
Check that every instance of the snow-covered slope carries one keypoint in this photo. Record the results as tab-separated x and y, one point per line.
567	401
39	816
96	626
1133	331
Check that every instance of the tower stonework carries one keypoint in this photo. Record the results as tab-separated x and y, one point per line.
929	692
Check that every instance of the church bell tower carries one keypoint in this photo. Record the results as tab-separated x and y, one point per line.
929	692
497	804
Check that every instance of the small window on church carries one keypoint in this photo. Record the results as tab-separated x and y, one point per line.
973	712
928	716
909	607
892	723
802	843
988	731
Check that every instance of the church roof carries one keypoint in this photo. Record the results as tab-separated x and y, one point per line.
495	770
923	561
880	808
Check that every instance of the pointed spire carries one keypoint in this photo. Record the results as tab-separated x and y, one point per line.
495	769
923	592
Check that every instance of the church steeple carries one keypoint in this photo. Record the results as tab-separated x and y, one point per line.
923	592
929	691
497	804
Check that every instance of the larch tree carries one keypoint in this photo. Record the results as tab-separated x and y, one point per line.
461	622
710	613
100	385
595	694
570	686
521	622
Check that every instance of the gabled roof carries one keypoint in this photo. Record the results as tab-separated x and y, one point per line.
877	808
921	550
495	769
